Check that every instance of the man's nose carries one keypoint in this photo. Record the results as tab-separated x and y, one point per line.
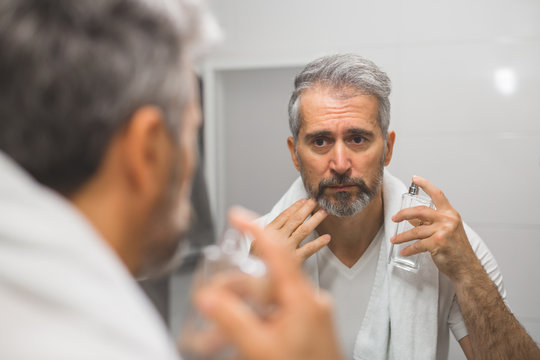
340	161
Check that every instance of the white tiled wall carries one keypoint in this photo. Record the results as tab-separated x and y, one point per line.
466	105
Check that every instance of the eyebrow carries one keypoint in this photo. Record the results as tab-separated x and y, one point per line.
352	131
317	134
361	132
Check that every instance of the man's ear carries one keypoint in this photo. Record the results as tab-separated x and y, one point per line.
147	151
292	149
390	139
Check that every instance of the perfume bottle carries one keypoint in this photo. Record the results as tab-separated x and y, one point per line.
199	338
409	199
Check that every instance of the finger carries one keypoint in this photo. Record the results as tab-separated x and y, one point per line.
416	233
308	226
436	194
282	218
233	317
423	213
418	222
299	216
416	248
313	246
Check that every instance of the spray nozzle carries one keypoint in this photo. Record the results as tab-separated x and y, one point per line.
413	189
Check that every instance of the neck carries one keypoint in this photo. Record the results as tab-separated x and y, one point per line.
352	235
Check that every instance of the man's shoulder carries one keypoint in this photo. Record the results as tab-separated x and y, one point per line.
295	192
81	292
392	184
62	281
477	243
393	189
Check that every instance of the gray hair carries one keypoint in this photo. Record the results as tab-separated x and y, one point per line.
342	73
74	72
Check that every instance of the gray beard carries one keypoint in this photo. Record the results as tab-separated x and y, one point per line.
344	203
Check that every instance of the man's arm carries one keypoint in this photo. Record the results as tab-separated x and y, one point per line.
466	346
494	332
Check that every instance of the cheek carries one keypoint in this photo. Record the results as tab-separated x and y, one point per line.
368	166
312	164
313	169
182	207
182	181
188	161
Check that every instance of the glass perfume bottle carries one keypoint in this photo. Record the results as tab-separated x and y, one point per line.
408	199
200	339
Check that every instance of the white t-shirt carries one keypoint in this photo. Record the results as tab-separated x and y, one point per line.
350	288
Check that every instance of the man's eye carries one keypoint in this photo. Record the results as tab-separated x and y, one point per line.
357	139
319	142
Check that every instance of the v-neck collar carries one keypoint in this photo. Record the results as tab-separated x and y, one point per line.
361	263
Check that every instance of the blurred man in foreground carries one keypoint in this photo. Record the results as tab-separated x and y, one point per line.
98	123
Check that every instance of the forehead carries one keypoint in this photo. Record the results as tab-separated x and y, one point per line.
334	109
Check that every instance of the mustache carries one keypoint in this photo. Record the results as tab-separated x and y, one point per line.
342	180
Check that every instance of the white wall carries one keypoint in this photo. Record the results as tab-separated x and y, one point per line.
465	101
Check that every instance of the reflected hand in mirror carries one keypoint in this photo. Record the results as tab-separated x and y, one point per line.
292	227
440	232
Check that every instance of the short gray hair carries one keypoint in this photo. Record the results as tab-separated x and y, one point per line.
74	72
342	72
